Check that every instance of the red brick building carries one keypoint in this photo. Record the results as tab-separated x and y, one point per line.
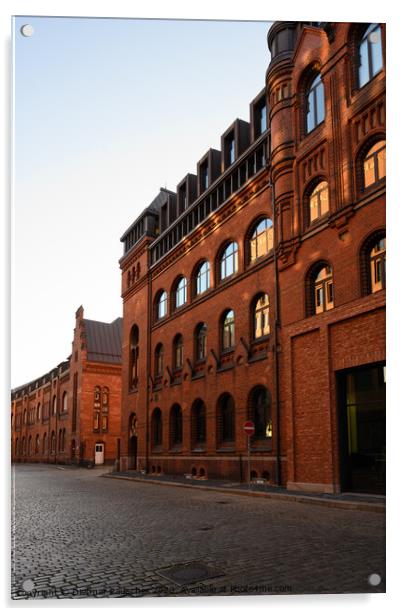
71	415
257	289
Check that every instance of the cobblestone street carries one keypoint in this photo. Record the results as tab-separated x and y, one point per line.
77	534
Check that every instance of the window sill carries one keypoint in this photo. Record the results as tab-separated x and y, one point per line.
225	367
197	375
199	449
258	357
306	134
230	447
318	221
176	449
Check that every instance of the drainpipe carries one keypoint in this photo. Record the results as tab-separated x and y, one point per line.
276	339
149	325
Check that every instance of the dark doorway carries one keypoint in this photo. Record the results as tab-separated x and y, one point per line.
132	452
361	396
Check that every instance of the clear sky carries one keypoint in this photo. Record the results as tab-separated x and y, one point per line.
106	112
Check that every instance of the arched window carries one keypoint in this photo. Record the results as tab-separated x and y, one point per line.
374	164
261	240
23	446
30	445
25	417
261	316
202	278
134	353
178	352
44	443
176	426
64	402
180	292
320	291
198	424
17	444
60	439
315	104
63	439
161	305
370	54
226	419
54	405
228	263
37	444
200	342
259	411
97	394
105	399
38	412
159	360
372	261
156	428
96	421
318	204
228	331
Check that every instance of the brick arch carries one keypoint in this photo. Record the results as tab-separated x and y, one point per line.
308	189
157	298
250	230
228	422
355	34
378	135
173	289
364	259
309	283
219	254
192	283
304	82
252	308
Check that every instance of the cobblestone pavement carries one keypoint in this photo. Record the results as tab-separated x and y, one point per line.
77	534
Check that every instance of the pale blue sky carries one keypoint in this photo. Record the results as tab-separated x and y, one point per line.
106	112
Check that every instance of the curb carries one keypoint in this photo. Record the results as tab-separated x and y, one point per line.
310	500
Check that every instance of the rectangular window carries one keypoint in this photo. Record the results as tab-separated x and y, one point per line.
364	64
376	53
381	163
330	295
319	300
369	171
310	112
263	118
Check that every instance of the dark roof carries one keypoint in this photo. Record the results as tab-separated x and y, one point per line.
103	341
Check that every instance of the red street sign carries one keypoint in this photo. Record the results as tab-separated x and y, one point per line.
249	428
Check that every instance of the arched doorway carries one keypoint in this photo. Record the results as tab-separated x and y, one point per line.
132	442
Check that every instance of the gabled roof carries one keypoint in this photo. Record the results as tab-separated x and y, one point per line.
103	341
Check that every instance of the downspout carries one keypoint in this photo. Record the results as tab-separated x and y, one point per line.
276	339
149	299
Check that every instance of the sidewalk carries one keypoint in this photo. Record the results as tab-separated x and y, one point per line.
360	502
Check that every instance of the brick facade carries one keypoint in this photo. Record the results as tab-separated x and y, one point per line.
298	361
63	403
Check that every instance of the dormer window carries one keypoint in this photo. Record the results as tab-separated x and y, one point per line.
182	198
230	150
260	117
204	176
